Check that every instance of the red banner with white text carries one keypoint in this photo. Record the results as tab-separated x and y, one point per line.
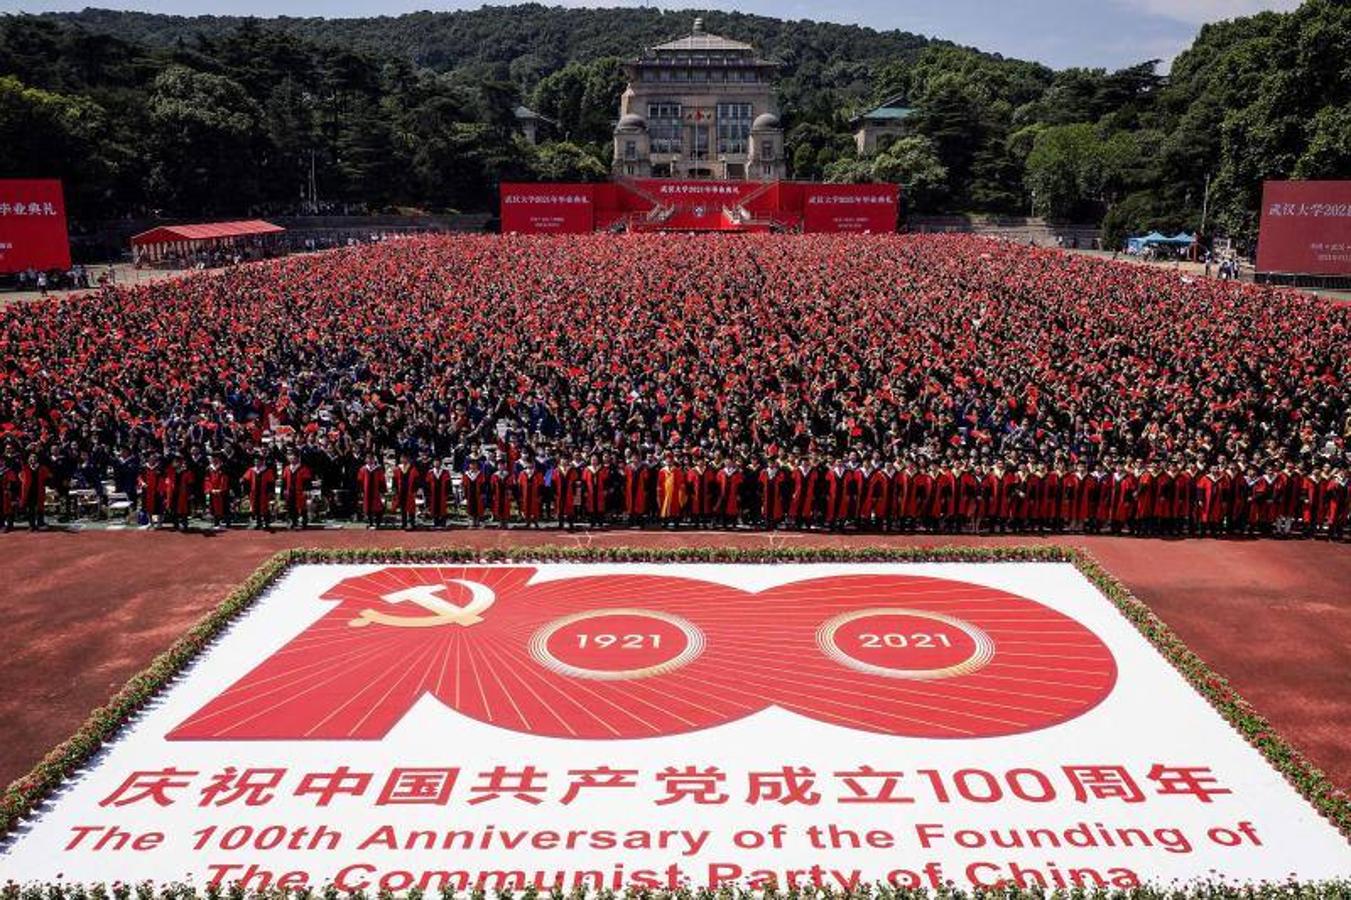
850	207
32	226
1306	228
547	208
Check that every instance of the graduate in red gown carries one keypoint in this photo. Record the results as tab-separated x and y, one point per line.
943	502
179	482
1210	502
1184	500
918	507
296	481
1071	485
33	480
876	495
772	481
1124	487
474	486
968	487
1146	483
901	479
702	490
151	488
501	488
216	485
260	484
804	481
1332	502
1048	502
567	478
636	488
530	493
440	489
408	480
595	491
730	480
9	490
371	489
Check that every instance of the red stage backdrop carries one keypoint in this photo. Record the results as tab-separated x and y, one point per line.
547	208
851	207
32	226
655	204
1306	228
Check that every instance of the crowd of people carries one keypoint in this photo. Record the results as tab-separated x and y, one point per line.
889	383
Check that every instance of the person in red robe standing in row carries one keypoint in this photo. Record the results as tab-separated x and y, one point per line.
371	487
151	486
216	487
804	480
773	483
177	483
296	479
636	476
407	483
595	484
702	490
439	489
474	486
33	480
530	494
260	483
567	484
9	491
730	479
500	487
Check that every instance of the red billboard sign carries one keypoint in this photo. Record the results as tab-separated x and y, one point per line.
547	208
850	207
32	226
1306	228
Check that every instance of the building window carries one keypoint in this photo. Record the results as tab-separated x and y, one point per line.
664	127
767	150
630	149
734	127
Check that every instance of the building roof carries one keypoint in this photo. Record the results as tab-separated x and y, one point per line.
700	41
892	109
210	231
525	113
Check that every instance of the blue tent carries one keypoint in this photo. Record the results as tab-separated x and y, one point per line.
1155	239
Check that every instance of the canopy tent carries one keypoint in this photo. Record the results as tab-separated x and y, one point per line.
1156	239
184	239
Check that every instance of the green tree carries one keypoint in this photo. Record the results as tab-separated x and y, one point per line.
566	161
205	133
582	98
913	163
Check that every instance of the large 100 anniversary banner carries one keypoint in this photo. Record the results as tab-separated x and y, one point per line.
669	725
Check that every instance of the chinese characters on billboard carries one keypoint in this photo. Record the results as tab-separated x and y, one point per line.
1306	228
32	226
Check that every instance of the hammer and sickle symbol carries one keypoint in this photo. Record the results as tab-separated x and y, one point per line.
429	597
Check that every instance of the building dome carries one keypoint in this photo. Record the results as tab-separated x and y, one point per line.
632	122
764	122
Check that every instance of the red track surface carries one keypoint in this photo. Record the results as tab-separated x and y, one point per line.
84	612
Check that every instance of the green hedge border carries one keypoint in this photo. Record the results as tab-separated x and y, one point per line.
22	797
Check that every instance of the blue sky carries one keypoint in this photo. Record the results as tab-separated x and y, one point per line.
1110	33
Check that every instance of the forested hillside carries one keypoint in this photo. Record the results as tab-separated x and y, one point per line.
217	115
